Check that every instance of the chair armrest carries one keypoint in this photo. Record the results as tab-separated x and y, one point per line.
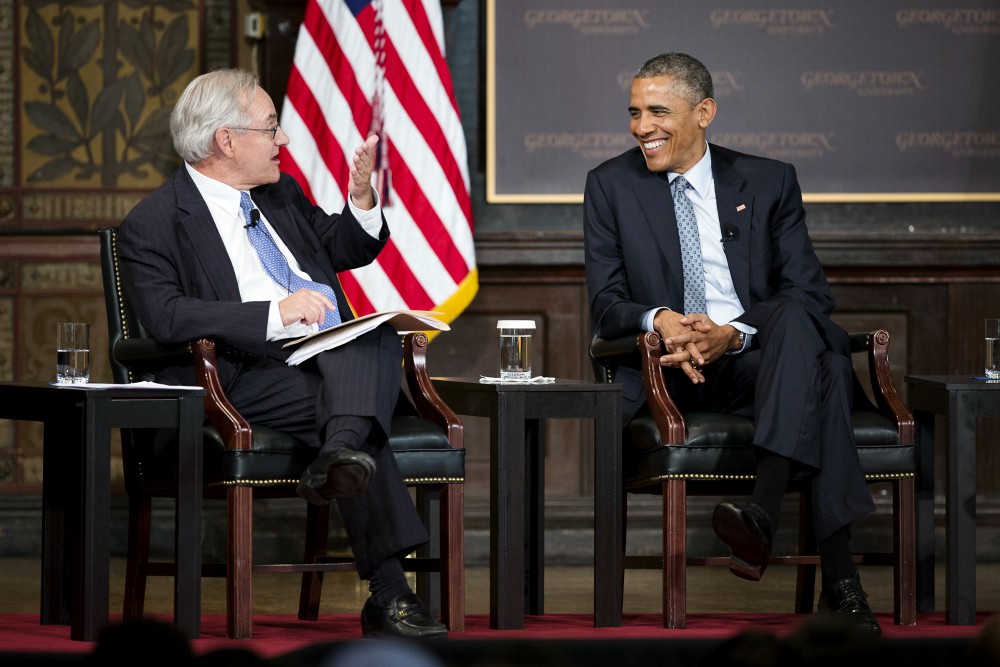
649	347
886	398
425	399
234	429
143	353
607	355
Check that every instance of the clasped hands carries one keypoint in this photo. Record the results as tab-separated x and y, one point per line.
692	341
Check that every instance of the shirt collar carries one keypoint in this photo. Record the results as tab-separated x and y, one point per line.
700	175
216	193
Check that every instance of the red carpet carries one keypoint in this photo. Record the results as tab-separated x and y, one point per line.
276	635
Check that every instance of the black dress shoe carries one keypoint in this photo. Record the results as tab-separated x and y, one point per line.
847	600
336	473
406	617
747	531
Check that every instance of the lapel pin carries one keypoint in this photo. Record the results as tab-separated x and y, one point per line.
740	207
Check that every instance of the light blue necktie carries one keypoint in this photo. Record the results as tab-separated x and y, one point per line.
687	227
277	266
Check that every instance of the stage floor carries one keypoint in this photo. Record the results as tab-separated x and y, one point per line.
568	590
721	607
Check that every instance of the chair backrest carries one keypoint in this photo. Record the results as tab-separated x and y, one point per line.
122	323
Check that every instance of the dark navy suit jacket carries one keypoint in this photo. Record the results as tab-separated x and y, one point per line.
633	255
179	278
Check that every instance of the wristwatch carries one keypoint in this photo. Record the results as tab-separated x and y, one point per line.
742	341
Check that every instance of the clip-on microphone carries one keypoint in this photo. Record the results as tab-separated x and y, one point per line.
254	219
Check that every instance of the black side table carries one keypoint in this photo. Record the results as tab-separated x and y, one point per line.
960	400
76	483
517	488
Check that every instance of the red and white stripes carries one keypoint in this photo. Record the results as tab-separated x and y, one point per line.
378	65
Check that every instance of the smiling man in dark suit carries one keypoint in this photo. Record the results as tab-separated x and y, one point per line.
230	248
709	248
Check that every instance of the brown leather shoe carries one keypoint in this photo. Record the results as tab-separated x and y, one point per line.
336	473
747	531
848	600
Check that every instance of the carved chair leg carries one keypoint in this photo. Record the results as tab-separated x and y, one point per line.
239	562
675	554
452	533
429	584
905	552
805	576
317	534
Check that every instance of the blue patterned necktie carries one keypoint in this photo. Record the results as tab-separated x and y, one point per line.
277	266
687	227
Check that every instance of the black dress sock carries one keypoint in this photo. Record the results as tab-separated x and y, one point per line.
773	473
835	557
346	430
388	582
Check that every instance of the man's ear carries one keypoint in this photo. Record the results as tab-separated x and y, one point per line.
224	141
706	112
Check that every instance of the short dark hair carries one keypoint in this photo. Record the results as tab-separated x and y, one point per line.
693	76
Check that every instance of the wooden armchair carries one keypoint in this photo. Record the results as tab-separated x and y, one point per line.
243	462
676	455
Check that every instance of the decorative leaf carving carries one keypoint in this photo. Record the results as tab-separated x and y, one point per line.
169	5
41	56
53	144
174	58
134	99
81	48
107	105
51	118
116	123
79	98
136	51
52	170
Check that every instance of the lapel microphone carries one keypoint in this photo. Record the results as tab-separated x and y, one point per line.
254	219
730	233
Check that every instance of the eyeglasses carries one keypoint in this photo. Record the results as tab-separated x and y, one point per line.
273	131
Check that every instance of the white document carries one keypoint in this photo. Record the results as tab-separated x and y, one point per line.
403	321
133	385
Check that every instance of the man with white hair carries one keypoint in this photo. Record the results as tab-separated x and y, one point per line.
230	248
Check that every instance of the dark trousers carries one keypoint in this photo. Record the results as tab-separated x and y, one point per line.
360	378
797	386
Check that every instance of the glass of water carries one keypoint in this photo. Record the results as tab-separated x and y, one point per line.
993	349
515	349
72	353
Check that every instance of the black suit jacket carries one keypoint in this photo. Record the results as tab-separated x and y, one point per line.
633	259
181	283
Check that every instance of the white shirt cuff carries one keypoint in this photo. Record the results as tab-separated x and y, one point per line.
370	220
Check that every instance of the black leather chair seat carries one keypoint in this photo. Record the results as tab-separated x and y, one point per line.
422	451
718	447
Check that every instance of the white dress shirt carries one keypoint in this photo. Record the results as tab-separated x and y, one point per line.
721	301
254	282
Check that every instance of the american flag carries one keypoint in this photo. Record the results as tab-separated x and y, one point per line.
378	66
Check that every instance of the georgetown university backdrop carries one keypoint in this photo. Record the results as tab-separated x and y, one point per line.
873	101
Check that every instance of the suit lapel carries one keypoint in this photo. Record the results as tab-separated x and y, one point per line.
205	242
735	213
653	194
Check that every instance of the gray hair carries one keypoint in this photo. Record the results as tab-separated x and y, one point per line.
217	99
694	78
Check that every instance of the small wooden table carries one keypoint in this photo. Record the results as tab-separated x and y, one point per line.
517	488
76	481
960	399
